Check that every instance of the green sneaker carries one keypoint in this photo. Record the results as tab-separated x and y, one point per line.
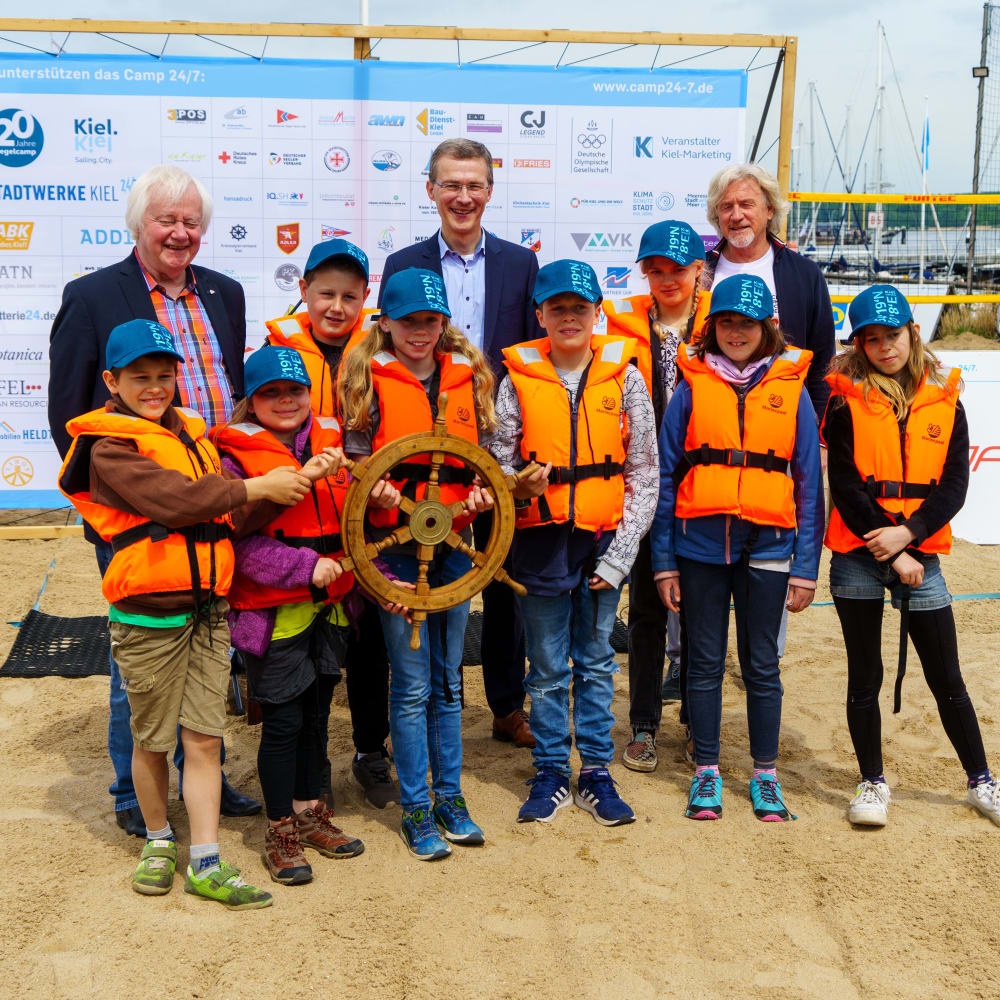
225	886
155	874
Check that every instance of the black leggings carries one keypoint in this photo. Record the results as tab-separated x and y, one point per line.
292	753
934	638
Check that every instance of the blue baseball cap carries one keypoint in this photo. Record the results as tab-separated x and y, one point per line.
567	276
674	239
878	304
269	364
742	293
337	248
136	339
414	290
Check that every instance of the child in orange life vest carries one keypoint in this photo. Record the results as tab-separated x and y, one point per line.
573	402
390	388
144	476
334	289
287	616
899	469
671	256
741	510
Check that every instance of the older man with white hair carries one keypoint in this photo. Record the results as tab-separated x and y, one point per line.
748	210
167	213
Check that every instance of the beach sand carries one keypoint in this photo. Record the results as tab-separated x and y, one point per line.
665	907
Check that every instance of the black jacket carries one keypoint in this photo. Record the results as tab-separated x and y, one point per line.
806	316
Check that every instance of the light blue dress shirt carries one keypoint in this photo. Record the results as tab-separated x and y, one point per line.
465	283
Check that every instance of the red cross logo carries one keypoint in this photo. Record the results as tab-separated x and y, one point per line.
336	159
224	156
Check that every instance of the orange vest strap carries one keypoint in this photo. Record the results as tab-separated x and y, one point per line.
737	459
204	531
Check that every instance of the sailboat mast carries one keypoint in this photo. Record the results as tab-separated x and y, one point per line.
880	102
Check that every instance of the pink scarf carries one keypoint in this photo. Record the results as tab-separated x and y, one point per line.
725	369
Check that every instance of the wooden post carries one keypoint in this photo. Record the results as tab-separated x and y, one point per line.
787	115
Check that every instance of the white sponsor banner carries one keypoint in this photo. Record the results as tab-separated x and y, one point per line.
295	152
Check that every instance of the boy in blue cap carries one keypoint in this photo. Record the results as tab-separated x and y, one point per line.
143	474
672	257
573	403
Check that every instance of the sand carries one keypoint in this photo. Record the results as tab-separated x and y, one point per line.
663	908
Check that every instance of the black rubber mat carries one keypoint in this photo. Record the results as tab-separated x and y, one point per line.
50	646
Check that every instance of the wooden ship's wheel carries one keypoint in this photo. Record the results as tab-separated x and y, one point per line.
429	522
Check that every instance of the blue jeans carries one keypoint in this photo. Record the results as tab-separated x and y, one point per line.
706	589
859	576
119	730
425	688
576	624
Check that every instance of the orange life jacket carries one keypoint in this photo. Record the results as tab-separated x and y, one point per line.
899	476
748	475
296	332
312	523
149	557
587	446
404	409
630	318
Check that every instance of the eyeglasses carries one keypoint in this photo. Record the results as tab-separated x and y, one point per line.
474	190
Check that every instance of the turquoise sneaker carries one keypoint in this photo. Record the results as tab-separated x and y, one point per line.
705	797
452	815
421	837
768	805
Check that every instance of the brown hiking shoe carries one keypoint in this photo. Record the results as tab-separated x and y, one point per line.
283	854
514	728
316	830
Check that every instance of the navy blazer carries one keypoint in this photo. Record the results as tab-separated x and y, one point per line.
509	311
94	304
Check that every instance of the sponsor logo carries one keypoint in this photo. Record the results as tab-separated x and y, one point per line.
238	114
480	123
532	124
283	117
238	232
17	471
333	232
934	430
18	387
287	237
648	202
774	400
602	242
532	239
341	119
664	201
106	237
238	199
345	198
287	159
286	197
186	156
189	116
591	147
696	200
61	192
608	404
384	239
15	235
9	433
394	202
386	121
336	159
92	140
463	414
531	205
238	157
16	272
386	160
286	276
533	164
21	138
432	121
25	355
497	162
643	147
596	202
617	277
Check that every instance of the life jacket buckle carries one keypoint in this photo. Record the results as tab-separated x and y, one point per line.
736	457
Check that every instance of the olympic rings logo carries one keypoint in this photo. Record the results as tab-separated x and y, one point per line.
591	141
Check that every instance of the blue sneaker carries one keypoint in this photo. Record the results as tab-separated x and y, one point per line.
596	792
549	793
768	805
421	837
452	815
705	797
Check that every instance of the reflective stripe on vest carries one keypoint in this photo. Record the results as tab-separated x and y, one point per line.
586	447
744	476
898	483
149	557
313	523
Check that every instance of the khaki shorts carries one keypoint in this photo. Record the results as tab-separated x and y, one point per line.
173	676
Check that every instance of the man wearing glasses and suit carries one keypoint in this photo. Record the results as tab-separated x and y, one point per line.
490	283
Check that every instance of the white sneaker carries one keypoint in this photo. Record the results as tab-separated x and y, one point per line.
870	805
986	798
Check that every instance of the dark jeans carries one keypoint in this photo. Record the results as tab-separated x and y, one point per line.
934	638
368	682
292	749
706	589
503	636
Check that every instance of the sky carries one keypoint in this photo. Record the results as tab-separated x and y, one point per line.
932	47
